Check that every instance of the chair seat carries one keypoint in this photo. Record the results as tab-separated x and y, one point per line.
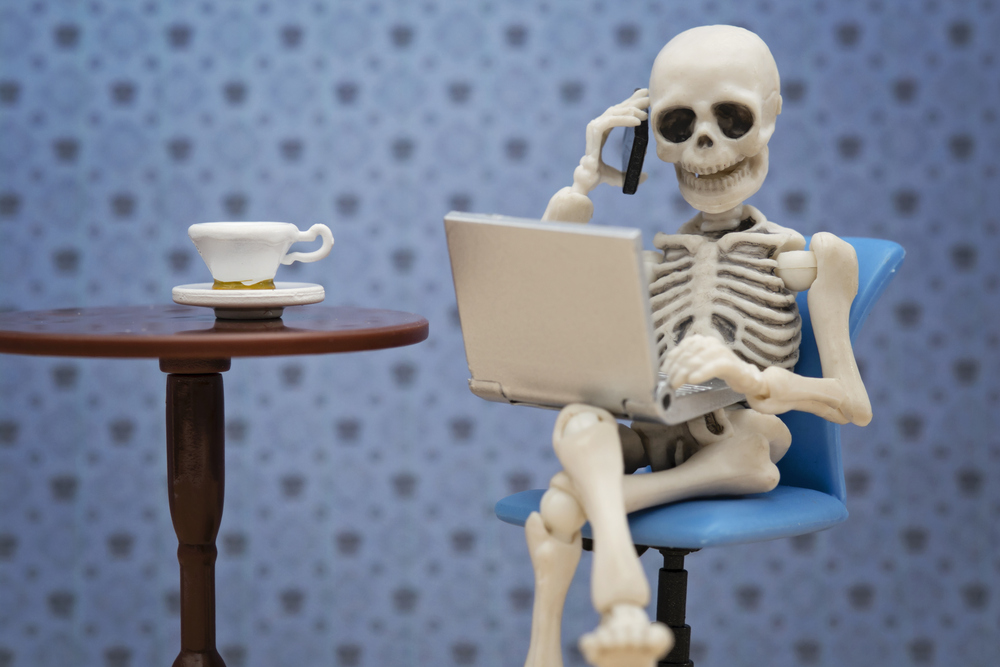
708	522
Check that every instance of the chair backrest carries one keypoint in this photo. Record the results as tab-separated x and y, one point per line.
814	460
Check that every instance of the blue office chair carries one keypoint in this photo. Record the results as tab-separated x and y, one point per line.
809	498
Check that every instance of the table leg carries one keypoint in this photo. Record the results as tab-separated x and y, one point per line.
196	486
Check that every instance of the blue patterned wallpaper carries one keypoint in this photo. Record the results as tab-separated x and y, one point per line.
358	526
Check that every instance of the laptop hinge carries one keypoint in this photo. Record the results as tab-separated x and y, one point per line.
491	391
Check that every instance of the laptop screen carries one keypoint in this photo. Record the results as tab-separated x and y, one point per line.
553	313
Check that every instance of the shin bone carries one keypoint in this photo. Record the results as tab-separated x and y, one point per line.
592	458
555	544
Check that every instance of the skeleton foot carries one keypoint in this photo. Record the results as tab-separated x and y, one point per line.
744	464
626	638
733	466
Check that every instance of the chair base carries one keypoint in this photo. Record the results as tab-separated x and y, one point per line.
671	606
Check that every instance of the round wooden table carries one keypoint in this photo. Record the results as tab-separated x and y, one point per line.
194	349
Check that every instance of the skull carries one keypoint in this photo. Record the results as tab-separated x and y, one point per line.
714	97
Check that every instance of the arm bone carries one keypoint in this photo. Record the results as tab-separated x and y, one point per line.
840	395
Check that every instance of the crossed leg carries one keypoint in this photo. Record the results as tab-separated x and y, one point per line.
735	457
739	459
587	444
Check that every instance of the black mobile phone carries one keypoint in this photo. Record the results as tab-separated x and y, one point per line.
633	153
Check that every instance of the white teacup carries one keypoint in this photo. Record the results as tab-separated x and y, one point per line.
246	255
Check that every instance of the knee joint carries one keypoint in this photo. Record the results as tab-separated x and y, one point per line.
561	512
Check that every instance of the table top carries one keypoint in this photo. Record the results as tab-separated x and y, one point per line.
187	332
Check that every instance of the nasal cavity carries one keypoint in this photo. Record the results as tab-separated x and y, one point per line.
705	141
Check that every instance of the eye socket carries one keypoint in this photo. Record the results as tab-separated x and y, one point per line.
677	125
734	119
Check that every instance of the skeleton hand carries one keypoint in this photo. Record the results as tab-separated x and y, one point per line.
700	358
593	170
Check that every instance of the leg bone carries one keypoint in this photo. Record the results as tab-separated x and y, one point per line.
555	545
592	458
736	465
587	443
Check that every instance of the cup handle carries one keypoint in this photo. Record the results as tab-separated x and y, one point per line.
310	235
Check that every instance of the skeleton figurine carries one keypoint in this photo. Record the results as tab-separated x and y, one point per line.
723	297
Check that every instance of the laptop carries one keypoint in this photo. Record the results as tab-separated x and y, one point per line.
555	313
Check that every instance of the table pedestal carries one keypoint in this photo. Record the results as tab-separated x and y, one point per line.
194	348
196	487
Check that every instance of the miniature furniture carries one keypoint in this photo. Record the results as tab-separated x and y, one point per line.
194	349
809	498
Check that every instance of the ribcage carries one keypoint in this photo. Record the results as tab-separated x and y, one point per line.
727	289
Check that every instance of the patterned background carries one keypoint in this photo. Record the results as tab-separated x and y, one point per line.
358	527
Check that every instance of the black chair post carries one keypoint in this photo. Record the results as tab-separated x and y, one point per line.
671	606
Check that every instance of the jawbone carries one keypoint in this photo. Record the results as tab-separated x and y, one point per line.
724	189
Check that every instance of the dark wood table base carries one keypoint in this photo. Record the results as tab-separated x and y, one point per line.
194	348
196	476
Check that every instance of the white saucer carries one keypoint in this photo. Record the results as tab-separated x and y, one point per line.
248	304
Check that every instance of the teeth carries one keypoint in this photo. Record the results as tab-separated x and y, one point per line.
733	174
714	169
